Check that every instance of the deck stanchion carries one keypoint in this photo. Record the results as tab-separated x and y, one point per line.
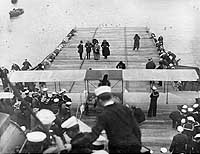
167	94
55	85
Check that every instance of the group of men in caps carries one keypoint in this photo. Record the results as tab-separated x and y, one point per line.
58	102
167	58
187	121
116	119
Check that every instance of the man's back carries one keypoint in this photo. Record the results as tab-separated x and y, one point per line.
150	65
178	144
120	126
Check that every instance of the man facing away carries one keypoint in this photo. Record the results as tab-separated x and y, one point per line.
80	49
121	65
119	123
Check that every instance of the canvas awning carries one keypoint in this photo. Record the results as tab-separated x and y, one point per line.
47	76
98	74
160	75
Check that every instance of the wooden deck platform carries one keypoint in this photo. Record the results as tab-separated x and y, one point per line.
121	47
156	132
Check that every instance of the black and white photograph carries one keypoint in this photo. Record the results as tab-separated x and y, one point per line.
100	76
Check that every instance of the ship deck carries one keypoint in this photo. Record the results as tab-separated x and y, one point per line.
156	132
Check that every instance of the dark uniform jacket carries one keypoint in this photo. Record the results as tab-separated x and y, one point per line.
105	48
120	126
179	143
150	65
121	65
80	48
88	46
154	96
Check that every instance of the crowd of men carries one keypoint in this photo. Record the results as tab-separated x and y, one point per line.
187	120
167	58
57	102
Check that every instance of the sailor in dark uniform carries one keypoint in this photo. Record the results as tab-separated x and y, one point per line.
179	142
153	102
196	144
119	123
121	65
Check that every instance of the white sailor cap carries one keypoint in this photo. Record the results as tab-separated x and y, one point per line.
190	109
183	110
154	88
190	118
184	106
197	136
195	105
54	93
56	100
99	152
183	120
102	89
163	150
72	121
49	95
44	89
27	91
46	116
36	136
68	103
99	141
180	129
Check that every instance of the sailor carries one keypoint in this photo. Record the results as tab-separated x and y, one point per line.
196	144
72	130
172	56
189	131
179	142
27	97
153	102
15	67
45	99
26	115
46	117
26	65
118	122
36	142
63	98
64	111
54	104
176	117
160	39
150	64
121	65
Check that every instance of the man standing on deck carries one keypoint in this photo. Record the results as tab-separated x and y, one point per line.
119	123
88	46
150	64
80	49
153	102
26	65
136	42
